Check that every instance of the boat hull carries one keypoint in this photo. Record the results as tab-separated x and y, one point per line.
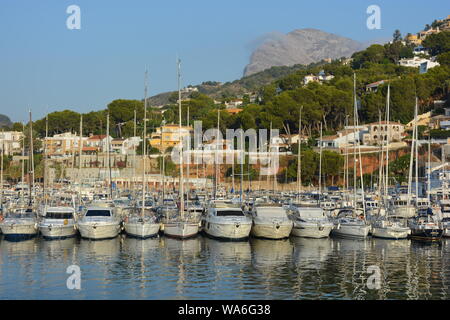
426	234
19	231
232	231
141	230
58	231
97	231
351	231
271	231
181	230
390	233
311	230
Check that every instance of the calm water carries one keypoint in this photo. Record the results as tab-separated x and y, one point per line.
202	268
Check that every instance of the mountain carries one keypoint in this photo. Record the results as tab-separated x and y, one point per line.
5	122
302	46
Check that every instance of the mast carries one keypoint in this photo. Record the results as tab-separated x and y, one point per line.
380	166
216	162
359	148
23	163
189	157
429	167
134	153
44	189
386	186
1	174
346	159
144	145
320	163
31	182
299	164
80	151
354	139
417	151
108	156
411	159
181	144
242	164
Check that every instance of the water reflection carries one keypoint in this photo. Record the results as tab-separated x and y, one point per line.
270	254
205	268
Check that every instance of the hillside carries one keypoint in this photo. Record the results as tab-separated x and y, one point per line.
238	87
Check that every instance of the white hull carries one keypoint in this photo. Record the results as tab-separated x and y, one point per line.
11	229
180	229
404	212
311	230
271	231
97	231
58	231
446	233
141	229
351	231
228	230
390	233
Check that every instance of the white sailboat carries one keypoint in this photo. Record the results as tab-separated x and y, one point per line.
142	224
386	227
352	222
181	226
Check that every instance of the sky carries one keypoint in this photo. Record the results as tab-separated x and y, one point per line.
45	67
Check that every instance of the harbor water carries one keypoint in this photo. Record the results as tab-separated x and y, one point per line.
204	268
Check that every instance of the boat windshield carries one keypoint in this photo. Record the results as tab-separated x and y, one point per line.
230	213
58	215
98	213
270	212
20	215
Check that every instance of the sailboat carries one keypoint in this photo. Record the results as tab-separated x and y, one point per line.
180	225
20	222
142	224
350	222
387	227
424	226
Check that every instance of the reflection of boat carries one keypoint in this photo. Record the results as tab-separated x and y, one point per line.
19	248
139	246
57	248
223	252
268	253
309	253
97	249
185	247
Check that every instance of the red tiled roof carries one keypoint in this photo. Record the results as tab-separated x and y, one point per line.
97	137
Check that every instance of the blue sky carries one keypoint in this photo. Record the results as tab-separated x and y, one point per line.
46	67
